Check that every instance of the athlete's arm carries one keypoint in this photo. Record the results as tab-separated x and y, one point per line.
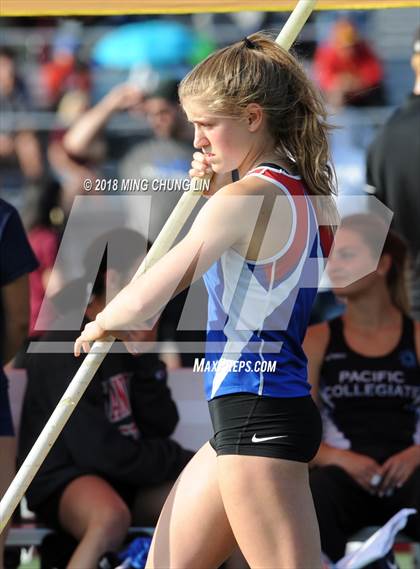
314	346
226	219
361	468
79	137
399	467
15	298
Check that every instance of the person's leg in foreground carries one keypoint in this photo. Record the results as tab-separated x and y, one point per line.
193	530
262	504
270	509
93	513
7	471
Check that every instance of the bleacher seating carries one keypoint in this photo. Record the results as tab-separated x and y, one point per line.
193	430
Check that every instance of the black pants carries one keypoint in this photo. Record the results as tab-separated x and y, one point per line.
343	507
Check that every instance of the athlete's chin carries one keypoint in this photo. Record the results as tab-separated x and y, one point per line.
218	168
341	283
341	291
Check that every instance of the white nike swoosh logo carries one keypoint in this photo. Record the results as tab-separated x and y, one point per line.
256	439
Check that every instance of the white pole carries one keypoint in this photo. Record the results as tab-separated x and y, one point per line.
295	23
93	360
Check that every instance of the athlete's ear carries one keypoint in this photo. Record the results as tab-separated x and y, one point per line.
384	264
254	116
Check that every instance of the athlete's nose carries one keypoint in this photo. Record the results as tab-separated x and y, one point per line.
200	141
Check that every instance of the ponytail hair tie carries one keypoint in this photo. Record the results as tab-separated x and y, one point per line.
249	43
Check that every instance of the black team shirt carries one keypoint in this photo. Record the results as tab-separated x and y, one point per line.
119	430
393	169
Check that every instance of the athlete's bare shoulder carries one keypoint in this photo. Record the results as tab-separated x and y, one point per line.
242	196
315	346
250	186
238	188
316	339
231	211
260	211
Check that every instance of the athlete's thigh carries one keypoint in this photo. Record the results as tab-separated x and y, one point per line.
270	509
193	530
90	500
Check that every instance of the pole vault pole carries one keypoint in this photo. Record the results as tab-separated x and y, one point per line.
95	357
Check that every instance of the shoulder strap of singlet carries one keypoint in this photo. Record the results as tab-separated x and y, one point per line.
235	173
272	165
325	234
337	341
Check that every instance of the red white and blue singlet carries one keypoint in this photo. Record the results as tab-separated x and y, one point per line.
258	312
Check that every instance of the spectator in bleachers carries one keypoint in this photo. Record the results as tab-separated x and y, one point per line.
44	233
72	171
364	368
393	173
63	70
16	262
19	146
347	70
44	236
164	156
114	462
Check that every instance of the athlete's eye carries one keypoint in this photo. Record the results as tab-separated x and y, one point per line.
347	254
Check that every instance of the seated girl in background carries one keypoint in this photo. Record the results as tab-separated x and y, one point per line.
114	463
364	367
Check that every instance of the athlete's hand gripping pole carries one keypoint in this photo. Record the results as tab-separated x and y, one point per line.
99	350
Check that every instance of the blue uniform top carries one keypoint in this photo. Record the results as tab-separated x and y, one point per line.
258	312
16	260
16	255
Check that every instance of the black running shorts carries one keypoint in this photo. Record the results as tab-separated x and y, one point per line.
274	427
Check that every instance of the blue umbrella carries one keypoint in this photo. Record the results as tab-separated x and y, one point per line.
158	43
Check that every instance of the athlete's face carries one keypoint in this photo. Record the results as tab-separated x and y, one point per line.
352	266
226	140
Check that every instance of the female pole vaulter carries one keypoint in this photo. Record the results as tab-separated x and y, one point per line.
255	241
